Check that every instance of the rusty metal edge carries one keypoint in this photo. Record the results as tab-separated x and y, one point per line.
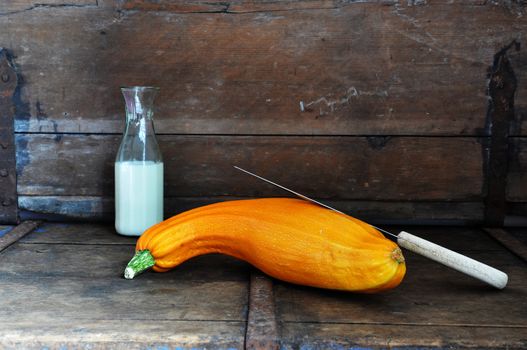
509	241
8	191
502	84
17	233
262	328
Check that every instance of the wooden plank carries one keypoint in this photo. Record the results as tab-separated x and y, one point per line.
121	334
433	307
359	168
262	329
360	68
16	6
519	233
16	233
76	233
376	212
517	177
380	336
5	229
459	238
509	241
236	6
55	260
76	286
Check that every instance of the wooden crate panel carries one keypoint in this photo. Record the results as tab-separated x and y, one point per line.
380	212
517	179
78	234
372	168
359	68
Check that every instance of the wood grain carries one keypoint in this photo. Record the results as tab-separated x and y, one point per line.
73	286
372	168
12	236
114	334
77	234
359	68
54	260
262	329
81	300
399	336
377	212
5	229
17	6
517	179
509	241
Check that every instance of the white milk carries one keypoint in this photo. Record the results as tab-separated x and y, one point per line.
138	196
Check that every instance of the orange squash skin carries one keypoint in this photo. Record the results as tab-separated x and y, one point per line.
289	239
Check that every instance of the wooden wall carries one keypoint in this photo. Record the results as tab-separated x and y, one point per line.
412	110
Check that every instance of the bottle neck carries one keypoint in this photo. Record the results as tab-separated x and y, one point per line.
139	139
139	111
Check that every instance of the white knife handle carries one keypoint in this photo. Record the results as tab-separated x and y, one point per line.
458	262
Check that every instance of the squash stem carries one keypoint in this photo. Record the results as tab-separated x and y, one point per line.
141	261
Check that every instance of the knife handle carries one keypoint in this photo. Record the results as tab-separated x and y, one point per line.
456	261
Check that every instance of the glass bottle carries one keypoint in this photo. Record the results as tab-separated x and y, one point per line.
138	166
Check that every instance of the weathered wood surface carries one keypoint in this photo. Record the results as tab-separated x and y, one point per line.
11	236
359	68
74	294
372	168
262	328
82	300
73	233
517	179
11	7
315	335
433	307
377	212
509	241
115	334
8	192
5	229
520	233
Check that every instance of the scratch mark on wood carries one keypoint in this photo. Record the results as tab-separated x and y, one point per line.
333	104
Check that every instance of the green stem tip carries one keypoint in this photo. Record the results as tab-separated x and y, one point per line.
141	261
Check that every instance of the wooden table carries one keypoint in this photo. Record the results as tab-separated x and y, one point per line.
62	288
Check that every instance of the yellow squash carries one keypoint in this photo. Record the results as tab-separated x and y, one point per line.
289	239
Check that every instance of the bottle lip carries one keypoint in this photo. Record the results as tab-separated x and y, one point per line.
139	88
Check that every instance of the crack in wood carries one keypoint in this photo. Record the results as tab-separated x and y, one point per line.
240	7
43	5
